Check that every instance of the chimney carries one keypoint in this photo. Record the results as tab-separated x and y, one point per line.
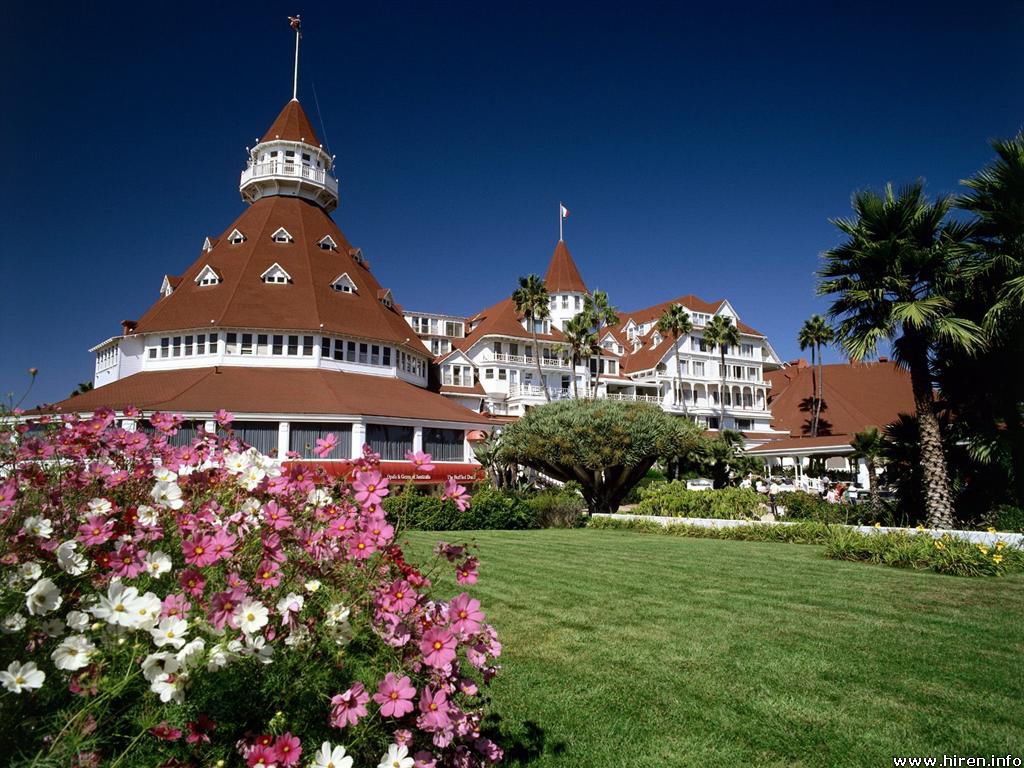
883	359
127	327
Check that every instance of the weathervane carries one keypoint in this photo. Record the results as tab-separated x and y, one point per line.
296	24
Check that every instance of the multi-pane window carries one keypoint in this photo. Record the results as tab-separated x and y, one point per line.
176	346
304	435
278	347
390	441
307	346
293	345
247	344
444	444
201	344
698	368
231	345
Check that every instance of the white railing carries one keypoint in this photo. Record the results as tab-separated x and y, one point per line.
277	168
631	397
532	390
545	362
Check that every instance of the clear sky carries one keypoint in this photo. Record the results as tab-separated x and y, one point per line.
701	148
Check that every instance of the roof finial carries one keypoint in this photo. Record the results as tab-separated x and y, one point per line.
296	24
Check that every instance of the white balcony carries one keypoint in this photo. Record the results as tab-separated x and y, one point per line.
276	177
534	392
632	397
545	362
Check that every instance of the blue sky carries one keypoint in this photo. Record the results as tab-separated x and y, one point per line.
700	148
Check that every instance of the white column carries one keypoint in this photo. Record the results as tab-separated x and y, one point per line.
467	448
417	439
358	438
284	431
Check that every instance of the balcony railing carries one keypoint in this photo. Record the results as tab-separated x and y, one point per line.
279	169
545	362
532	390
632	397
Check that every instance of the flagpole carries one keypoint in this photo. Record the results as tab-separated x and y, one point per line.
560	220
295	79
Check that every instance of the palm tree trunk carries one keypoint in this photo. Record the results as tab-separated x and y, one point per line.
536	359
721	392
597	377
821	390
575	384
679	376
814	395
938	498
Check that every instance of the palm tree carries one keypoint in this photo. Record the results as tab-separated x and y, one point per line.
83	387
721	333
867	445
675	322
582	341
601	314
531	300
890	281
815	333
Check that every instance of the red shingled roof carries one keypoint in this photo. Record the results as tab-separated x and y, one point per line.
292	125
689	301
856	396
503	320
307	303
271	391
563	275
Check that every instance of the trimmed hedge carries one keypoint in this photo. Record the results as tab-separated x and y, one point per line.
557	508
798	533
800	505
489	508
674	500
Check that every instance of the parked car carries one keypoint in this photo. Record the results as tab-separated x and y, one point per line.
699	484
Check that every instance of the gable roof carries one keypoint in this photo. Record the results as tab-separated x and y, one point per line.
501	319
691	302
562	274
856	396
270	391
292	125
308	303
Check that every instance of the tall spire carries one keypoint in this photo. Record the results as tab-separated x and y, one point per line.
296	24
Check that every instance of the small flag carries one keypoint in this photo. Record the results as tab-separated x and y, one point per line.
294	22
565	211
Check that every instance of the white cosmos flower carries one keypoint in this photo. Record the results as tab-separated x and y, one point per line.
219	657
298	637
164	475
319	498
251	477
252	616
29	571
258	648
192	650
12	623
331	757
53	627
159	663
289	603
167	495
337	614
73	653
235	463
43	597
20	677
170	631
39	527
147	611
118	606
147	515
169	687
77	621
312	585
70	560
99	507
157	563
397	757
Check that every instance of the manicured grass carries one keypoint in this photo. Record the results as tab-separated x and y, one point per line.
624	649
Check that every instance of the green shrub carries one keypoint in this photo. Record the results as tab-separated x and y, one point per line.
674	500
557	508
800	505
653	477
1005	518
489	508
808	532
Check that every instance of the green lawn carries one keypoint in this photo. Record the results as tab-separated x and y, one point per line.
627	649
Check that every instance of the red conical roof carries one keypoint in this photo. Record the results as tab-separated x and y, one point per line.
562	272
292	125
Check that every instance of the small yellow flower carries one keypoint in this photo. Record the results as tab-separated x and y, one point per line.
990	529
939	545
878	525
983	549
920	526
997	559
1000	544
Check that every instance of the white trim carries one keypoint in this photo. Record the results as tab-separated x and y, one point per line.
166	289
329	242
282	235
208	276
207	245
236	237
341	281
274	274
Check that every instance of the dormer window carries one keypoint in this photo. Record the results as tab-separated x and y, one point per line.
282	236
385	298
207	245
327	243
656	340
208	276
167	287
357	255
344	284
236	237
276	275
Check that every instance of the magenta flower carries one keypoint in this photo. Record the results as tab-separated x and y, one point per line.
223	544
370	488
223	417
288	749
127	561
261	755
424	759
377	526
465	615
348	707
199	731
434	709
192	582
165	732
395	696
223	608
438	647
268	575
198	550
457	493
422	461
175	606
276	517
400	597
325	445
362	546
95	530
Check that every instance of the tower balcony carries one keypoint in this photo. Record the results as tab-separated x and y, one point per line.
277	177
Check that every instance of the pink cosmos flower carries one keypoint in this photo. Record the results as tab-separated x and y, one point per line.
192	582
465	615
326	445
199	731
223	418
438	647
467	572
424	759
403	737
127	561
223	608
395	696
434	709
276	517
370	488
377	526
361	547
288	749
175	606
198	550
268	575
165	732
348	707
422	461
223	544
457	493
237	583
95	530
261	756
7	493
401	598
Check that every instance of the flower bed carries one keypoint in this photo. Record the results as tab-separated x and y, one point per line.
177	606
